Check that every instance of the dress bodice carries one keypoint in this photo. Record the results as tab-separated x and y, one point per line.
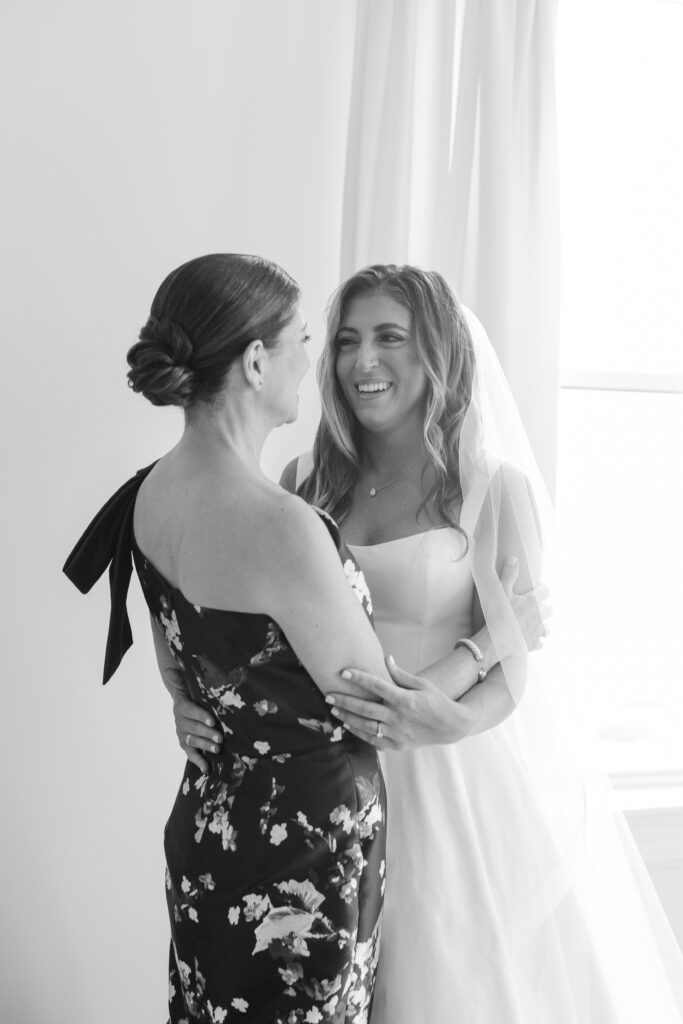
241	666
422	592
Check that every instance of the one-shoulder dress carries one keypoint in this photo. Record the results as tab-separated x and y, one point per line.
275	858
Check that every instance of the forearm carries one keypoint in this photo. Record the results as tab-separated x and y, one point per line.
491	701
166	661
458	672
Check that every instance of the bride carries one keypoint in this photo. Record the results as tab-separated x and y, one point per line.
513	894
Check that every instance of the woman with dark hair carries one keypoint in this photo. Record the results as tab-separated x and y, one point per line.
504	901
275	853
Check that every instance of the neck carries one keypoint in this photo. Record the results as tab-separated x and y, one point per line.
226	432
383	454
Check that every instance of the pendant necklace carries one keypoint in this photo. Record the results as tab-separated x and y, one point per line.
374	491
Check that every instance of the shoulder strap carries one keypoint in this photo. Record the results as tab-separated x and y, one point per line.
107	541
332	529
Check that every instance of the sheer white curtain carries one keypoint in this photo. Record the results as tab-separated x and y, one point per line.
451	164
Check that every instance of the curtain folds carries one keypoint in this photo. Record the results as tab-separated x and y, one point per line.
452	165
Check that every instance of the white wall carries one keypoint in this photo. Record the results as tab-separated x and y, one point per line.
138	135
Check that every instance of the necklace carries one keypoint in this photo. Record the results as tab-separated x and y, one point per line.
374	491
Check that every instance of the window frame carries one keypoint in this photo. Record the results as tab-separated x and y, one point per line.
614	380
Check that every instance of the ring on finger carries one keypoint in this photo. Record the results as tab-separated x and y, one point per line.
379	733
188	740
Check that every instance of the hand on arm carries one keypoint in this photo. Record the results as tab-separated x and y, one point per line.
445	702
410	711
423	718
305	591
195	726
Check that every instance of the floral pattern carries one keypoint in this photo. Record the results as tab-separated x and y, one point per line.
275	857
358	583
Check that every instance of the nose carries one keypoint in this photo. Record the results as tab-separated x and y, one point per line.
366	356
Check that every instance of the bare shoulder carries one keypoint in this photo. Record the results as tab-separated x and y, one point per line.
289	552
292	527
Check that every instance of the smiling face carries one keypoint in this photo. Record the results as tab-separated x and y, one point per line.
377	365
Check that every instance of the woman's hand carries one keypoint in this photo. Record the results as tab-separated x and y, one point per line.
195	727
413	713
532	609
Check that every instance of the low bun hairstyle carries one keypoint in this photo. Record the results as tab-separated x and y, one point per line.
203	317
160	364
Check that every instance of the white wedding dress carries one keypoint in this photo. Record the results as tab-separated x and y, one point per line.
460	944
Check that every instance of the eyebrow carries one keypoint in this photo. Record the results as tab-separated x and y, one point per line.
377	327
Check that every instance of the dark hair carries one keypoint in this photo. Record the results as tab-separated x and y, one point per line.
203	317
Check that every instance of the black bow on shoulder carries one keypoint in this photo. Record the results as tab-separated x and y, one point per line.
107	541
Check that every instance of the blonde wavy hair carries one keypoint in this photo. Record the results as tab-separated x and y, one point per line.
444	348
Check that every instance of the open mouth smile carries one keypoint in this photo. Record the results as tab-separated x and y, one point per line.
372	388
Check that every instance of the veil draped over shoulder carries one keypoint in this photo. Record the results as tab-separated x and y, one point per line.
581	889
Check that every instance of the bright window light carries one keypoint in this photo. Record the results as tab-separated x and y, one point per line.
620	458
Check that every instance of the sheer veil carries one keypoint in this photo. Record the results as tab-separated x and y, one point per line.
581	892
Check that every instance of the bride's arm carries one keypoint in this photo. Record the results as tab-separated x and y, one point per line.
457	673
446	701
511	525
418	712
491	701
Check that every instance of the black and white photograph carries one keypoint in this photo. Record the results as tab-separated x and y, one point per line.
343	448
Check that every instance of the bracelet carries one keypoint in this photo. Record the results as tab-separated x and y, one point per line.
476	654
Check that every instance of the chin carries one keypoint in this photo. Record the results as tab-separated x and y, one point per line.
377	419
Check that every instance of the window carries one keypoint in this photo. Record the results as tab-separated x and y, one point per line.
620	454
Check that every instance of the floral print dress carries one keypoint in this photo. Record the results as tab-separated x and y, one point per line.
275	858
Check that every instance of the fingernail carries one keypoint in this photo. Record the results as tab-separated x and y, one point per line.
214	750
329	699
216	739
208	721
390	659
336	712
346	674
